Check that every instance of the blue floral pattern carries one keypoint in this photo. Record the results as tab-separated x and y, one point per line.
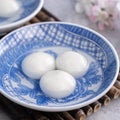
21	85
54	39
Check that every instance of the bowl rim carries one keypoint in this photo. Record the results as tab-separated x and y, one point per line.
71	107
27	18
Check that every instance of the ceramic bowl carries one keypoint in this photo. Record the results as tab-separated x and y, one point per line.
55	38
28	9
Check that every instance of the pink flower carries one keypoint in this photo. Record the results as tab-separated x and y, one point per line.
94	13
101	26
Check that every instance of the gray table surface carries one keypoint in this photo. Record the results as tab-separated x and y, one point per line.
65	11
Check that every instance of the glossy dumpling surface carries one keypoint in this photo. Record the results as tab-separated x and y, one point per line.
57	84
72	62
36	64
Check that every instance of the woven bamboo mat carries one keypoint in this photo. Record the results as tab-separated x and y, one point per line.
17	112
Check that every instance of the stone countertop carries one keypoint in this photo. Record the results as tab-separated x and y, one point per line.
65	11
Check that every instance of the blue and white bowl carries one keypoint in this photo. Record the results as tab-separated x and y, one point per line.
28	9
55	38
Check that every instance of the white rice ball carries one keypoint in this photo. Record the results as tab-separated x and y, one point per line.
72	62
57	84
8	8
36	64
